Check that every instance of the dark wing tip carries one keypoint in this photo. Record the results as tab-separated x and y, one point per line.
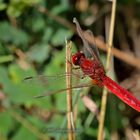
27	78
39	96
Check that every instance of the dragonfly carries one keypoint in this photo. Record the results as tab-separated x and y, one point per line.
95	70
90	64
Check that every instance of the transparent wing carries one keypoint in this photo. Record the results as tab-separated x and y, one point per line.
93	47
48	80
88	47
57	83
89	84
45	80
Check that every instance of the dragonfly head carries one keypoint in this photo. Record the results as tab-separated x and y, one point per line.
77	57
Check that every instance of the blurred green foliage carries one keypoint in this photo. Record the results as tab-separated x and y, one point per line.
33	43
14	36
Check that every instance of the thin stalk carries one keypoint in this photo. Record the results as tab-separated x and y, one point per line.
70	124
104	97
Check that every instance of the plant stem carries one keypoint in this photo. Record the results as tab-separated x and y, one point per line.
104	97
69	92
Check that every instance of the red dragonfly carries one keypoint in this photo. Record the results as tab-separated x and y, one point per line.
92	67
95	70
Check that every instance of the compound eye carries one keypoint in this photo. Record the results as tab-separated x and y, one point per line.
75	60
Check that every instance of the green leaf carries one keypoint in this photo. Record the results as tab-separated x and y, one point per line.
114	117
2	6
10	34
91	132
16	7
60	102
39	52
6	58
47	34
57	64
5	123
58	9
17	74
60	35
39	24
16	90
13	12
30	2
22	133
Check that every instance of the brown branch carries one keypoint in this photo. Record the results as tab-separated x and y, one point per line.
105	92
58	19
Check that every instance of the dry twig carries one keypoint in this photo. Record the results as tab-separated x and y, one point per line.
69	92
104	96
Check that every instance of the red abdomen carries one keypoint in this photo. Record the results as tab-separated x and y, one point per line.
122	93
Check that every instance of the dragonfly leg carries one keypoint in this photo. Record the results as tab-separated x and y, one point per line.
83	76
75	67
69	61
